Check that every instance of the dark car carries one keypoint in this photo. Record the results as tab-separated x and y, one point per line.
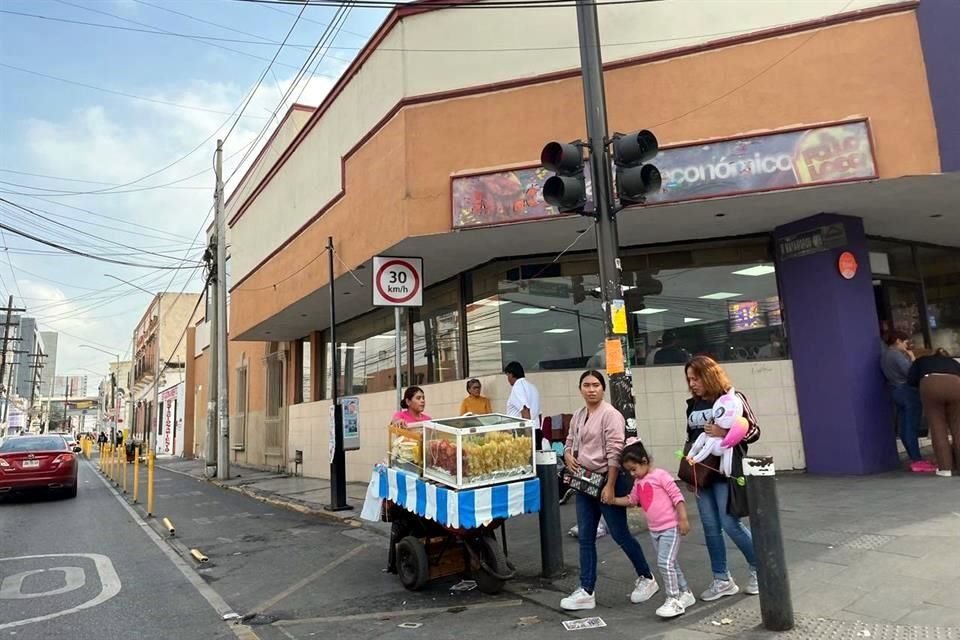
38	462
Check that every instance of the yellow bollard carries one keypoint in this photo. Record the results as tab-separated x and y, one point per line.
136	474
150	483
106	459
116	466
123	467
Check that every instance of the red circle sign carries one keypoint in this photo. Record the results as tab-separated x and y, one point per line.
847	265
405	282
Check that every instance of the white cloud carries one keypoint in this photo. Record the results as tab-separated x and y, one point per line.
118	144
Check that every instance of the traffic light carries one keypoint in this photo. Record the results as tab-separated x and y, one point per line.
567	189
635	178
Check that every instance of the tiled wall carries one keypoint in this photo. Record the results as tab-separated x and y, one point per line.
661	402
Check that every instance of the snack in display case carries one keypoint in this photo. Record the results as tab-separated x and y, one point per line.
473	451
406	447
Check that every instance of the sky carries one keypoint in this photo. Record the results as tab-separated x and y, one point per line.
179	94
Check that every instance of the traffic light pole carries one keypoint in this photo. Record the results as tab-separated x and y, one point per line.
595	106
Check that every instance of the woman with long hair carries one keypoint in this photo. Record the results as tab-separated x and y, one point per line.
594	444
707	382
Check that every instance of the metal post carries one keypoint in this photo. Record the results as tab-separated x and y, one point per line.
396	345
776	607
595	105
150	457
136	474
223	405
551	535
212	353
123	466
338	466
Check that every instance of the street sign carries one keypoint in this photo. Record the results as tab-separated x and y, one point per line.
397	282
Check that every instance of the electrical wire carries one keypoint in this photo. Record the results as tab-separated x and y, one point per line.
47	176
265	71
117	93
452	4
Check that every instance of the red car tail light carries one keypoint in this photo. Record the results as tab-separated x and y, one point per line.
4	464
63	458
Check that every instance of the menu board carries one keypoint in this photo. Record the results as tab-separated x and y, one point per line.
745	316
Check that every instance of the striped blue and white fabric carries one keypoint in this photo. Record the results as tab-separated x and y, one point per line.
465	509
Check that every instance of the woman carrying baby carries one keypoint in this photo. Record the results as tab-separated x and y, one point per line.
709	383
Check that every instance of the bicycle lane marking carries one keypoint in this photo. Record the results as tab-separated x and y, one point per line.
10	588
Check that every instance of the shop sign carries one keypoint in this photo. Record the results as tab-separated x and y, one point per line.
847	265
805	243
770	162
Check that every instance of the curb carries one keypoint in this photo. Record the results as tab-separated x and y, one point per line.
291	505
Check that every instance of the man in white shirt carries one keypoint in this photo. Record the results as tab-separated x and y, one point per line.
524	400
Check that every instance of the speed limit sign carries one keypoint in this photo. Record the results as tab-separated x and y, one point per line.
397	282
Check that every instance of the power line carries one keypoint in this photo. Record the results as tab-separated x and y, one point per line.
78	252
65	179
13	273
265	71
118	93
452	4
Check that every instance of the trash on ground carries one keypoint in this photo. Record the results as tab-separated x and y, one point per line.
726	621
410	625
527	621
864	633
231	616
585	623
464	585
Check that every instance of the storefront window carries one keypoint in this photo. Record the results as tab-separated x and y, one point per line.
721	301
941	280
436	336
367	354
305	376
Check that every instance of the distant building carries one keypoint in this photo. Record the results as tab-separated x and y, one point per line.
31	341
49	370
72	386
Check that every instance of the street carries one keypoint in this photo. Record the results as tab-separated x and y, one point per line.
86	568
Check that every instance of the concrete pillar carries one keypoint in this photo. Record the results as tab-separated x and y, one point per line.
832	324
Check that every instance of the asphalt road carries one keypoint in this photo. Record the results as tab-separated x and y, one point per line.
87	568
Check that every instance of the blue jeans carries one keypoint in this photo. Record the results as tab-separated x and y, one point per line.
712	505
907	399
589	511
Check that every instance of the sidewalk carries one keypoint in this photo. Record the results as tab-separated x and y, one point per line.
868	557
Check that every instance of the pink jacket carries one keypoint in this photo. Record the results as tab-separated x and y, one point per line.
658	494
597	440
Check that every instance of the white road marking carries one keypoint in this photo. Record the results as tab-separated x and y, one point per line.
12	586
109	585
212	597
266	604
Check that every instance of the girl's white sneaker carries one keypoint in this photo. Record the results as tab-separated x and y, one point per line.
671	608
579	600
687	599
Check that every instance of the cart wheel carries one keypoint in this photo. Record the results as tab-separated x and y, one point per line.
492	556
413	566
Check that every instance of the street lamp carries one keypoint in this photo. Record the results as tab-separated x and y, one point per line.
113	385
151	438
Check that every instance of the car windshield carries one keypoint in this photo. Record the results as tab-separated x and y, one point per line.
45	443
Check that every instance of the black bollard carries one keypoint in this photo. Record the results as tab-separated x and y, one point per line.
776	607
551	540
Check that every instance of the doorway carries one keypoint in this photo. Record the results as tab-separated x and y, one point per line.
901	305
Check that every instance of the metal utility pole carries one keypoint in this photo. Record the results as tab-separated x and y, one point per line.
152	438
212	439
595	105
223	407
7	323
338	465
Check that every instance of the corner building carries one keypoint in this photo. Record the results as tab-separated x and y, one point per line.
810	192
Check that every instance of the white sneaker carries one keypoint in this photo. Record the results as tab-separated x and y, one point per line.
753	586
574	531
719	589
945	473
687	599
644	589
671	608
579	600
601	530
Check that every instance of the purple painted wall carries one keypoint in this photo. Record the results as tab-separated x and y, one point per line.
834	335
939	22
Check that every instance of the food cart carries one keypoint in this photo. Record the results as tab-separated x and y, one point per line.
448	486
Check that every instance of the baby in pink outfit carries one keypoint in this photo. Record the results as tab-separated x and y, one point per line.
657	493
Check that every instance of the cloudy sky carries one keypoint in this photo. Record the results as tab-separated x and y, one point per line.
116	108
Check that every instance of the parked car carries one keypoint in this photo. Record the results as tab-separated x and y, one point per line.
38	462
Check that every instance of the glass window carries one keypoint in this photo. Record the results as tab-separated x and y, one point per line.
941	280
367	353
436	335
305	376
721	301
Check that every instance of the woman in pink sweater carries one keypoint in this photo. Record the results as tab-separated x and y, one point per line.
594	443
657	492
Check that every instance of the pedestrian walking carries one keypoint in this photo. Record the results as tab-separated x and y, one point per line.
895	363
708	382
657	493
592	459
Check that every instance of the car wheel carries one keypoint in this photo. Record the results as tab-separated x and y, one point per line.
71	492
